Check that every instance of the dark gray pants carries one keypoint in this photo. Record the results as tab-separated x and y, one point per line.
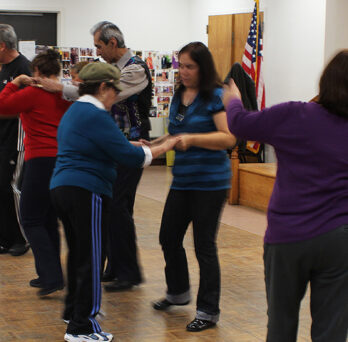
322	262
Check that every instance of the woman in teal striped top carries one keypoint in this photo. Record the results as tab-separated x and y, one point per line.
201	178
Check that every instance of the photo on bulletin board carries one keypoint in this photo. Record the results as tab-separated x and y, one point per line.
148	58
89	52
175	60
153	112
163	110
65	54
162	76
166	61
66	74
174	77
163	100
83	52
66	64
74	55
167	91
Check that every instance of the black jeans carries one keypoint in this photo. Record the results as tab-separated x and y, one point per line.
321	261
84	216
203	208
39	220
122	248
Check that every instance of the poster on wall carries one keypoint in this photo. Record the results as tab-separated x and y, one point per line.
27	48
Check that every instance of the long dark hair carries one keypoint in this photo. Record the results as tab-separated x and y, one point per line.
333	85
208	77
47	63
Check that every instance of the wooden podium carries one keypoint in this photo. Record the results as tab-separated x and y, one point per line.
251	183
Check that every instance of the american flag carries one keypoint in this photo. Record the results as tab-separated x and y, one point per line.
252	64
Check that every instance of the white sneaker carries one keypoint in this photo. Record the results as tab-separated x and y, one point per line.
101	336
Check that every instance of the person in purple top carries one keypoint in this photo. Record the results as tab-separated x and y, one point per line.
306	239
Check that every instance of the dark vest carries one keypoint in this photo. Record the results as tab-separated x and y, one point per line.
132	114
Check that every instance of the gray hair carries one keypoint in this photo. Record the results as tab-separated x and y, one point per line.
8	36
107	31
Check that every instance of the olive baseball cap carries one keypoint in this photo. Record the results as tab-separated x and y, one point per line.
101	72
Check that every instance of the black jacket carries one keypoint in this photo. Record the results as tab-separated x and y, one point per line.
245	84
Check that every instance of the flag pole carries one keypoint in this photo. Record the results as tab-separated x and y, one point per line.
257	37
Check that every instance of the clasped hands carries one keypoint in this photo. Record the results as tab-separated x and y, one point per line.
179	142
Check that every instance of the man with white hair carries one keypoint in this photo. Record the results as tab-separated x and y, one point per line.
131	113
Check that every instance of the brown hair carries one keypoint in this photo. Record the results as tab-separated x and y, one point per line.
333	85
208	77
47	63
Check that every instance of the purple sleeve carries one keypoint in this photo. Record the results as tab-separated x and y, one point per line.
262	126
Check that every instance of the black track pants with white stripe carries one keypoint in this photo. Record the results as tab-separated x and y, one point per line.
84	216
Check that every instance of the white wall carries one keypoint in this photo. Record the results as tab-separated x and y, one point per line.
293	42
151	24
293	49
336	37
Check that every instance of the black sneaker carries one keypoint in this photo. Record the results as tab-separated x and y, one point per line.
19	249
199	325
120	285
36	283
48	290
164	304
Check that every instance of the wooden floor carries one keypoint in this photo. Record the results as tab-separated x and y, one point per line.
129	315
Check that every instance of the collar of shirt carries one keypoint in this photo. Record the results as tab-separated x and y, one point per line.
124	59
93	100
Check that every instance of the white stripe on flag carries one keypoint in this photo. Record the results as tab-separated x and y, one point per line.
248	48
246	61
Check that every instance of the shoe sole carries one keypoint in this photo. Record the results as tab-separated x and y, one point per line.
50	291
165	308
85	339
198	330
19	253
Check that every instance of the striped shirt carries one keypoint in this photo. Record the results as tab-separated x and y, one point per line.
198	168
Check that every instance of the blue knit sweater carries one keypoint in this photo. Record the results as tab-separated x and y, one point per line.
89	146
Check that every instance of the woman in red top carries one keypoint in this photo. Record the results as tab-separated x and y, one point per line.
40	113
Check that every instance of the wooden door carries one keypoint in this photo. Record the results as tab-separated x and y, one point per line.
220	42
227	35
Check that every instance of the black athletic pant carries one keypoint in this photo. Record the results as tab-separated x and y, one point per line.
84	216
39	220
122	248
10	233
323	263
203	208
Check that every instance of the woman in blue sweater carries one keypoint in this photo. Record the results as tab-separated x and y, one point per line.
201	178
89	146
307	235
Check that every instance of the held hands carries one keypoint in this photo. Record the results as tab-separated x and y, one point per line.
145	142
231	92
184	142
170	143
179	142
